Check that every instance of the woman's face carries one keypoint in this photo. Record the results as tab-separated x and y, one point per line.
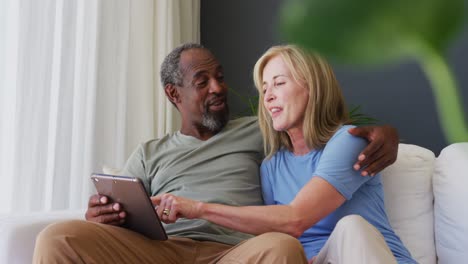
284	99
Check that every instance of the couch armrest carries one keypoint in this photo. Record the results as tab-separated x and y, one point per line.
19	231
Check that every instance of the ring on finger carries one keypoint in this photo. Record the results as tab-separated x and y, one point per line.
166	212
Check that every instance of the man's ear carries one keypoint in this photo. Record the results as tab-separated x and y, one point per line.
172	93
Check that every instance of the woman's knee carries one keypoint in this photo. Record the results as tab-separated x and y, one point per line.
351	222
357	228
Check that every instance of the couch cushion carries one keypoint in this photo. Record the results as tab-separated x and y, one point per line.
19	233
409	200
451	204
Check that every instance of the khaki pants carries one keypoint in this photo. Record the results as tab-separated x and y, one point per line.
354	240
87	242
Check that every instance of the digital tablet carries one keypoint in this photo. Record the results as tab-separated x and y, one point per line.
140	216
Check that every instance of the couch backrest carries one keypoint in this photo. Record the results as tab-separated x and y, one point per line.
451	204
409	200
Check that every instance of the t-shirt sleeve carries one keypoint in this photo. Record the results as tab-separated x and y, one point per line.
337	160
135	166
267	189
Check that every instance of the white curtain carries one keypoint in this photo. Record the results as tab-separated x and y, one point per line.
79	89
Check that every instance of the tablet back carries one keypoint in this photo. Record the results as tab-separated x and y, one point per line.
131	194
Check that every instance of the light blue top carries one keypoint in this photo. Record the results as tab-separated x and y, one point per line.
284	175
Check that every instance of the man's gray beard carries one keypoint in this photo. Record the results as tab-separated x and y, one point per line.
215	122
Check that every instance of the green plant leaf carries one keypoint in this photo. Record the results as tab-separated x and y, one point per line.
358	118
250	102
370	31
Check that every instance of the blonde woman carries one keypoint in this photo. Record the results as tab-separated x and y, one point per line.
309	186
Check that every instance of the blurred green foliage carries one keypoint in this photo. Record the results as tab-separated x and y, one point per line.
370	32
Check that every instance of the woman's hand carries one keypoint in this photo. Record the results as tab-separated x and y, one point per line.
171	207
311	261
382	149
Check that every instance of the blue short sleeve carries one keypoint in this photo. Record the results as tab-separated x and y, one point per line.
337	160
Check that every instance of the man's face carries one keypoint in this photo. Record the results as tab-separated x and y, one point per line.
203	94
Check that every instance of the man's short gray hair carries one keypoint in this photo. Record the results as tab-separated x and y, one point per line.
170	70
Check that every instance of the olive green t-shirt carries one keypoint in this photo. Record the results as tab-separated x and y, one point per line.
223	169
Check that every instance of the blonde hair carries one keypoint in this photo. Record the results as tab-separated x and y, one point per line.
326	109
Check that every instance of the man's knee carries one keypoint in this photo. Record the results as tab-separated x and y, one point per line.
53	242
54	232
279	243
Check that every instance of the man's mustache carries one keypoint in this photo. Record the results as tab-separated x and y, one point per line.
215	100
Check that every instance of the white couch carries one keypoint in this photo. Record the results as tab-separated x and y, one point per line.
426	201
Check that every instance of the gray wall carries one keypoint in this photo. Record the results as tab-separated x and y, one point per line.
238	32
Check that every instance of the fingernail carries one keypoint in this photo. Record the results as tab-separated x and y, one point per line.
362	157
116	207
357	167
103	200
364	173
373	174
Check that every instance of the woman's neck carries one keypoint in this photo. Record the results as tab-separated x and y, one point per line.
298	142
